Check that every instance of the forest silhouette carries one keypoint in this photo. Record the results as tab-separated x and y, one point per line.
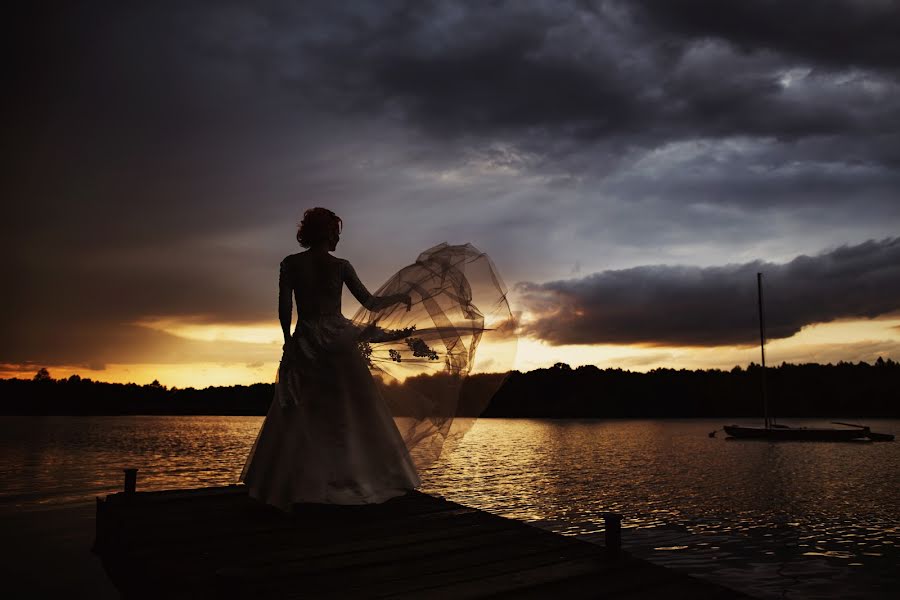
805	390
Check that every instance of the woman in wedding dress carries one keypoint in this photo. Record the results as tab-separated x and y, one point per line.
334	433
332	439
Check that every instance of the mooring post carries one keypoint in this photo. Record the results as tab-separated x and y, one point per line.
130	481
612	523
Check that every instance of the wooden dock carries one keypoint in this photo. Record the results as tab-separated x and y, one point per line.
219	543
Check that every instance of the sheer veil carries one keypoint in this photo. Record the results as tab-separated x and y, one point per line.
424	359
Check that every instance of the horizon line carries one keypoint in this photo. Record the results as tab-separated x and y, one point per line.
559	365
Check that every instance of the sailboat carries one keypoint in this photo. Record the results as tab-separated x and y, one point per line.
771	430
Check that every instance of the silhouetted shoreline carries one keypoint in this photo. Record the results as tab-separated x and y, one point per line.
808	390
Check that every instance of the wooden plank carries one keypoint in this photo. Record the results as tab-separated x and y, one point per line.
192	506
413	578
158	551
207	524
628	576
271	535
322	542
208	508
546	568
221	543
429	556
469	527
270	562
402	539
634	579
685	588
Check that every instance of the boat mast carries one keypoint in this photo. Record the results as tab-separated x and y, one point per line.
762	348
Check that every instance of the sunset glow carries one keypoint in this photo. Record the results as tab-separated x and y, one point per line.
852	340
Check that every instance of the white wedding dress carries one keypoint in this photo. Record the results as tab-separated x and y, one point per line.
329	436
336	435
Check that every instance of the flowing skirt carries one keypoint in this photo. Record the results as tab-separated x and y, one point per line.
329	436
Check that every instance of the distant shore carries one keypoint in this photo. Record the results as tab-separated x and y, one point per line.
810	390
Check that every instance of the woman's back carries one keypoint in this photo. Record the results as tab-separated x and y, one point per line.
316	279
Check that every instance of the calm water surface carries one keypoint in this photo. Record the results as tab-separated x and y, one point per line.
792	520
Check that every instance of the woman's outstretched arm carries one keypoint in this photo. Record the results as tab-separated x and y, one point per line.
285	301
359	291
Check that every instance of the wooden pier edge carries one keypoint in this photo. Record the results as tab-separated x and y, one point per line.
220	543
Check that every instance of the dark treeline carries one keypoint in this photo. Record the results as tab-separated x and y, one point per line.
82	396
809	390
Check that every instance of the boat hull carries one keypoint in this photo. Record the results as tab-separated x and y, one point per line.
813	434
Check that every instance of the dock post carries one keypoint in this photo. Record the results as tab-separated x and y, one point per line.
612	523
130	481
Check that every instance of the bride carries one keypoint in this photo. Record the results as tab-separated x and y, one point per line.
333	432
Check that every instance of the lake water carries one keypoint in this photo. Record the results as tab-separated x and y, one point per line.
776	520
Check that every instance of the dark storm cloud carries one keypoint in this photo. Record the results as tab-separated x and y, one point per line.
674	305
841	33
523	71
628	74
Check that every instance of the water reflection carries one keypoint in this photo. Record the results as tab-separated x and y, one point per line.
54	460
776	520
758	512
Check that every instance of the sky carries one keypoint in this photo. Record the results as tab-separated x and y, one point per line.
629	166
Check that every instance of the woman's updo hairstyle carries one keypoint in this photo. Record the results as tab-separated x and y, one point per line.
318	225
